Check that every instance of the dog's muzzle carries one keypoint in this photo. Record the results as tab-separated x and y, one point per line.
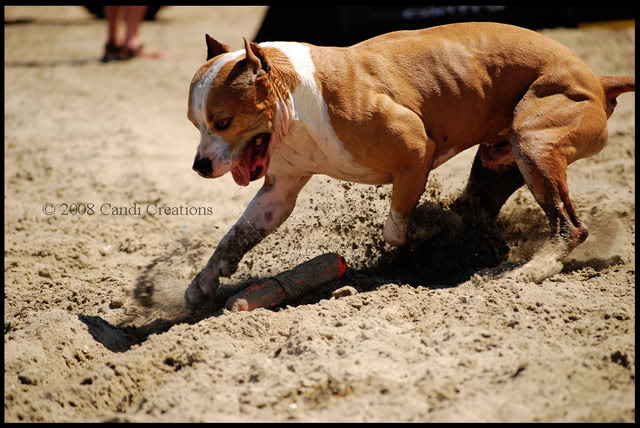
202	166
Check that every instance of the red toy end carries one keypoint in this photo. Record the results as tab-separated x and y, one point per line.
342	266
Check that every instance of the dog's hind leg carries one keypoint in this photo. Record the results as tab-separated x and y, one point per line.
550	132
493	179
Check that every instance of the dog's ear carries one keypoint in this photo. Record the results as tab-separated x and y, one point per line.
214	47
256	58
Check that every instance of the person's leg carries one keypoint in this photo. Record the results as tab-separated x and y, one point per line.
112	14
134	17
132	45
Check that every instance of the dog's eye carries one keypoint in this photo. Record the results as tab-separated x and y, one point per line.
222	124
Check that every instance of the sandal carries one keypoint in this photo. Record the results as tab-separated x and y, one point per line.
112	52
140	51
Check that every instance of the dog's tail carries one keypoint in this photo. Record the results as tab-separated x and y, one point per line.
614	86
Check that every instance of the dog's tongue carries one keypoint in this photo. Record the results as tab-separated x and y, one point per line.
241	173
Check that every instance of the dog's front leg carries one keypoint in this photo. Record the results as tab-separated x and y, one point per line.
271	206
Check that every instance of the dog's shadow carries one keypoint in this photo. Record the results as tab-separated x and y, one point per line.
121	338
450	244
445	249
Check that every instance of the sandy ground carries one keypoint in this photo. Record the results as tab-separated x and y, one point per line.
426	335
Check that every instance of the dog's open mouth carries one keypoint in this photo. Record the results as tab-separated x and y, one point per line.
253	160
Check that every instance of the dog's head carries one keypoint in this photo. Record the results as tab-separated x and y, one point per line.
233	106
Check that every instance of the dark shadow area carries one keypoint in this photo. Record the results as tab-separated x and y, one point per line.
58	22
123	336
50	63
346	25
98	11
113	338
18	21
120	338
95	11
447	248
598	264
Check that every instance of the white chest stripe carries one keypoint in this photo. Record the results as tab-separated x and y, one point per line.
310	106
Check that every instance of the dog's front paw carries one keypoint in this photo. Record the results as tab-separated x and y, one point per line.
202	288
395	229
193	296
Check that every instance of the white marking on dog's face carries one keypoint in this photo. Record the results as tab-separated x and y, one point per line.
201	88
212	145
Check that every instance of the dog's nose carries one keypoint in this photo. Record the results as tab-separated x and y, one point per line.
202	165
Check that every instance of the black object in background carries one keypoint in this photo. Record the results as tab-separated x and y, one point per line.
346	25
98	11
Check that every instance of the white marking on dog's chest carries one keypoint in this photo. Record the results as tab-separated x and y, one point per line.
311	112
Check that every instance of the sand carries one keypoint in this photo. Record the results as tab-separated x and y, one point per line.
432	333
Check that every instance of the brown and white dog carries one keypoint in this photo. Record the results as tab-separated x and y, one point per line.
390	110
